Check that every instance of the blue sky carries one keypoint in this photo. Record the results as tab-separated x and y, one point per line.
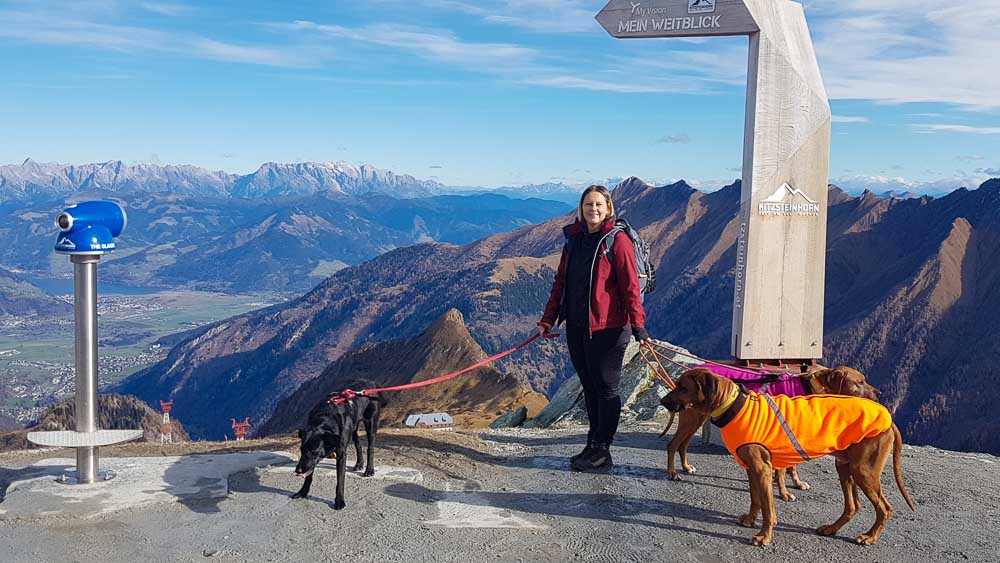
485	92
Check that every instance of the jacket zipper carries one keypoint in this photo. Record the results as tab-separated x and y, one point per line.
590	284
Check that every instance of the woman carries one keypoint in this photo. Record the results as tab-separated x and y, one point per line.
597	293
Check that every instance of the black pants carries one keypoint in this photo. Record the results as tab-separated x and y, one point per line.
598	362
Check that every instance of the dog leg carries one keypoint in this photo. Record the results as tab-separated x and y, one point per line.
868	476
360	463
371	429
783	494
338	502
799	483
687	426
306	485
749	520
850	500
687	467
761	473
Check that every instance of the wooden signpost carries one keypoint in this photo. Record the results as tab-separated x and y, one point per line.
781	252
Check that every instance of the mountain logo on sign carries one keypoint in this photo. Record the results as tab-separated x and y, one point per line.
701	6
779	195
66	243
777	204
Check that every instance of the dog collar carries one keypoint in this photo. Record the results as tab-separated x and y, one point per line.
730	410
727	402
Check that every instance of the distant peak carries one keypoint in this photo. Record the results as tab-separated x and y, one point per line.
991	184
451	316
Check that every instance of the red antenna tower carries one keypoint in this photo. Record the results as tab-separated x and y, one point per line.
241	428
165	434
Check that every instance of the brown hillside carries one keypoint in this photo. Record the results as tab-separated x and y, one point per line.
444	347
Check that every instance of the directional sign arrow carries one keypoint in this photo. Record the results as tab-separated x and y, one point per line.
676	18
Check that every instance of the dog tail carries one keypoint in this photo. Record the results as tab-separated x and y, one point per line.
897	450
670	422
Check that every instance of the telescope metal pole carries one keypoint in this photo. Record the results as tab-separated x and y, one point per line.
85	310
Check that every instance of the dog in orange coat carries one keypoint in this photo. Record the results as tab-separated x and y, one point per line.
830	381
764	433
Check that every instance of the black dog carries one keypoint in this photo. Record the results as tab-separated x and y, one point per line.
328	429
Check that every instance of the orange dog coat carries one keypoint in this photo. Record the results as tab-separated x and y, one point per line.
820	424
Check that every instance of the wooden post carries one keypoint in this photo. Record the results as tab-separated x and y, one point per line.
781	251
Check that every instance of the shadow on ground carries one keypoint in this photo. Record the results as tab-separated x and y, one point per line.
611	508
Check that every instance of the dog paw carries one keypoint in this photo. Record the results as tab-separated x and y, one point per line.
802	486
761	540
866	539
339	504
827	530
787	497
747	520
690	469
358	467
299	495
673	476
370	472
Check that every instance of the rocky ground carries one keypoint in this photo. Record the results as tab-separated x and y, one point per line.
508	495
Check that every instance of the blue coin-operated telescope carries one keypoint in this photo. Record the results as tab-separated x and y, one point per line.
90	227
87	231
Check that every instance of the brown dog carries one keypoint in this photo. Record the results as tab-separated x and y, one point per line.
832	381
860	461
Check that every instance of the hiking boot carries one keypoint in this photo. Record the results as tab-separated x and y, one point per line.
586	451
598	459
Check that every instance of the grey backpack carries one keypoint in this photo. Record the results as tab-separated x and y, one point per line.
647	273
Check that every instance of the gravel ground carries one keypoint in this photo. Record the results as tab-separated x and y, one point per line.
510	496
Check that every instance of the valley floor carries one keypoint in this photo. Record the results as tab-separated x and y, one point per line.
510	496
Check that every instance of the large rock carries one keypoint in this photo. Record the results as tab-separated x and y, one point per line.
640	389
512	419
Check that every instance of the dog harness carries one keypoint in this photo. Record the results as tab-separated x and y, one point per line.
801	428
763	381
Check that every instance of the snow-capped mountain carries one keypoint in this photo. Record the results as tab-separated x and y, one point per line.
310	178
33	180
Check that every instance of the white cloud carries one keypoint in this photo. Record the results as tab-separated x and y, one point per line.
674	139
435	44
165	9
548	16
952	128
49	29
909	50
849	119
80	31
598	85
218	50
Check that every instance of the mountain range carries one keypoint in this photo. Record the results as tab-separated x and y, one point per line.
286	243
33	180
911	300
